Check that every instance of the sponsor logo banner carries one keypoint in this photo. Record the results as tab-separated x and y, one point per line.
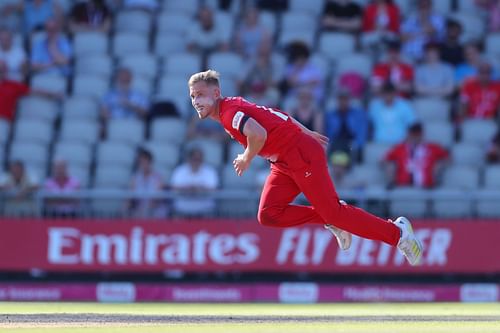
197	246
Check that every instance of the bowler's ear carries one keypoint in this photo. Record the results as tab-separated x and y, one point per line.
217	92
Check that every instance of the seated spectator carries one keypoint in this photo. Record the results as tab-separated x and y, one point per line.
469	68
390	116
342	16
415	160
10	12
17	187
381	21
13	56
340	162
494	16
53	53
251	34
301	72
146	180
205	34
193	179
90	15
123	101
260	83
272	5
420	28
346	126
493	150
306	111
434	78
61	182
36	13
451	48
480	97
394	70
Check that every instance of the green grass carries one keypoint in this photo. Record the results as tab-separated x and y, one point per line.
436	310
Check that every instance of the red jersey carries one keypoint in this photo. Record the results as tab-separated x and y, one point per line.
396	74
282	132
372	19
416	166
10	92
483	101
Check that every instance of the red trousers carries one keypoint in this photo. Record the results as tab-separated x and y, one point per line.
303	168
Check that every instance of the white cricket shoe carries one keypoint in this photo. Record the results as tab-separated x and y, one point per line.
344	238
408	244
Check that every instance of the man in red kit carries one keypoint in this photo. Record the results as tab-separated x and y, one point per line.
298	164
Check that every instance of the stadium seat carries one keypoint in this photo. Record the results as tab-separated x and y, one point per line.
373	153
187	7
166	154
230	180
229	64
80	130
487	203
79	107
75	153
169	130
439	132
182	64
34	155
99	65
90	86
173	86
408	201
356	62
321	62
268	20
4	132
235	149
33	130
112	177
142	22
141	65
473	26
213	151
460	177
492	177
118	154
432	109
468	6
306	36
90	43
52	83
335	45
478	131
173	23
442	7
451	203
225	25
143	85
297	21
314	7
131	131
366	175
37	107
493	44
80	173
467	154
405	7
129	43
166	44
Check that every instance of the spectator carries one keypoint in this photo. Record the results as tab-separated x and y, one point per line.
13	56
342	16
10	12
416	161
123	101
301	72
61	182
205	34
340	165
251	34
18	186
434	78
494	16
53	53
346	126
493	150
38	12
390	116
306	111
381	21
261	80
451	49
273	5
469	68
90	15
480	97
420	28
192	179
394	70
146	180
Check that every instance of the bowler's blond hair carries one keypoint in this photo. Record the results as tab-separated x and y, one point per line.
209	77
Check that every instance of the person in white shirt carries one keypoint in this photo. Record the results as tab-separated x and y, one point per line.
205	35
14	56
192	179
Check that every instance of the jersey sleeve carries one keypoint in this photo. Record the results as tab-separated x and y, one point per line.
234	118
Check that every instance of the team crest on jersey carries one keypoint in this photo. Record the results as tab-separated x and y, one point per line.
237	119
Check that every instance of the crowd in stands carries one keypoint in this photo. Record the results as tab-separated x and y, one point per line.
94	94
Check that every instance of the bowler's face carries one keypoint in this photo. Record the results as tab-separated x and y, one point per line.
204	98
